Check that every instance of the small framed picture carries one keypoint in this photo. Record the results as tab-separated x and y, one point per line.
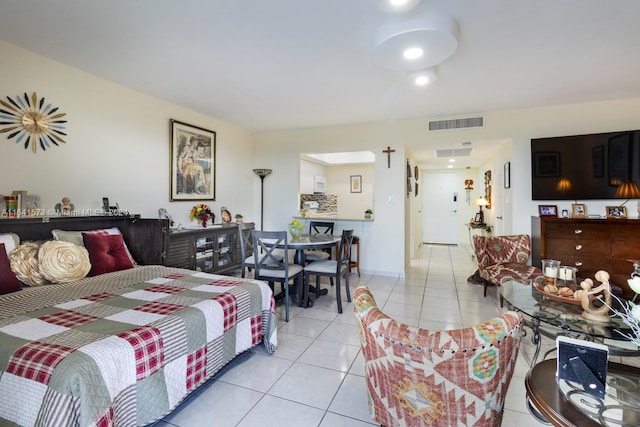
578	210
356	183
565	213
616	211
548	210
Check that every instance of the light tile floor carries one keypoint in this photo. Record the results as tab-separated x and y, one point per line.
316	376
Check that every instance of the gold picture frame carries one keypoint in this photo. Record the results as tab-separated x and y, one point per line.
616	211
193	162
578	210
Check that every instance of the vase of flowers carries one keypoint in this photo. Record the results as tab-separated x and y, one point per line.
295	228
201	213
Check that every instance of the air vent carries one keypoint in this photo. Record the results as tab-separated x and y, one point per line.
456	152
469	122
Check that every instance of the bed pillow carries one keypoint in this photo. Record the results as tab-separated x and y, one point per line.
8	280
24	263
10	240
62	262
107	253
75	237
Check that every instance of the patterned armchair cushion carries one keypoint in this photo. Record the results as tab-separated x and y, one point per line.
502	258
502	249
417	377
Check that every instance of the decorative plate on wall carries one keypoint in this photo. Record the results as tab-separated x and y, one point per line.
32	122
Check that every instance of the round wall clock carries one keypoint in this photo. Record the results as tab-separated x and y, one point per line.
32	122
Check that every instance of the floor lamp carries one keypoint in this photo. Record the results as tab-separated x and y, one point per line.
262	173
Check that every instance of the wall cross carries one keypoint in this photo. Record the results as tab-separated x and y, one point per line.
388	152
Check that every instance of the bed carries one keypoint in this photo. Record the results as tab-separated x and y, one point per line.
122	348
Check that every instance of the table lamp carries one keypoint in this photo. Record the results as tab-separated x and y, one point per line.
480	201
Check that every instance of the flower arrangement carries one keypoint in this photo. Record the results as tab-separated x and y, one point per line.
630	313
201	213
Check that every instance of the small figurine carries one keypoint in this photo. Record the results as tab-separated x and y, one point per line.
66	207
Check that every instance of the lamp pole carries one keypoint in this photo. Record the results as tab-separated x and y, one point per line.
262	173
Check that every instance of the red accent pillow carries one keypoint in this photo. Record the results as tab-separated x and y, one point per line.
107	253
8	280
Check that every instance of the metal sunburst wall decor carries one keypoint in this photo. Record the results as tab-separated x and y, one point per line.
32	122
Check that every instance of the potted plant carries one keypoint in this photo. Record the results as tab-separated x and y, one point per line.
368	214
238	217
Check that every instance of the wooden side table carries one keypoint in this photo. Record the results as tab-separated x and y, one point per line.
544	395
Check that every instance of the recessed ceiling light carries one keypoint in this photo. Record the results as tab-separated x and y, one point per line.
452	160
423	77
413	53
397	6
450	166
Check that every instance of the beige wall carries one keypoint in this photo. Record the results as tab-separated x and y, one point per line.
117	144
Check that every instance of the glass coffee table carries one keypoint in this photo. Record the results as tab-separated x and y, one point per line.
552	318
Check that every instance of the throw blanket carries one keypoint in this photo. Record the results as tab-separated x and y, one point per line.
123	348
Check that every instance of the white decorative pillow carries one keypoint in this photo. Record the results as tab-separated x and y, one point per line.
24	263
62	262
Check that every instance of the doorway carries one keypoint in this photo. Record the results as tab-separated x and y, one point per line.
440	207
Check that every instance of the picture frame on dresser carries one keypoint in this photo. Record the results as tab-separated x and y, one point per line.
192	162
616	211
548	211
578	210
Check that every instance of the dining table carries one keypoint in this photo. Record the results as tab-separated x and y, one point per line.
309	242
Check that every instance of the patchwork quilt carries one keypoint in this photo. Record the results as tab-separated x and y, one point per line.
123	348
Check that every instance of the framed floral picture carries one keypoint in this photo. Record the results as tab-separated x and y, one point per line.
193	162
356	183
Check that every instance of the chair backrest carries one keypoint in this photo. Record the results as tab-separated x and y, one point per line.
266	247
320	227
490	250
246	241
418	377
344	249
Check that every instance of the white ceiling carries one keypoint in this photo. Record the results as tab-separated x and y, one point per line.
282	64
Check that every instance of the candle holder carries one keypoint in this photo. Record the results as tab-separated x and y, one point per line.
567	277
550	269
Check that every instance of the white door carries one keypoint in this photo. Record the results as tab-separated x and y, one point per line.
440	207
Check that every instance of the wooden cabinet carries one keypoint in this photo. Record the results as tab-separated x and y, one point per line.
589	244
213	249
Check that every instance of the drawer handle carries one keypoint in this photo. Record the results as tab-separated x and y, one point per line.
578	263
578	247
578	231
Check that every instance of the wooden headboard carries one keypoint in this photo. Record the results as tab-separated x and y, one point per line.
147	239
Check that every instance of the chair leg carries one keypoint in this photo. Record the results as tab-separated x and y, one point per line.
286	301
338	296
317	285
346	284
485	288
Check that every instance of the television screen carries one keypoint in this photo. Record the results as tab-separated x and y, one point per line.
580	167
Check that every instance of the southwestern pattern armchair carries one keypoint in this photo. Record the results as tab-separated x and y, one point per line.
502	258
418	377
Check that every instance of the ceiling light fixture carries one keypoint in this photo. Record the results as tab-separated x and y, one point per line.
413	53
433	33
397	6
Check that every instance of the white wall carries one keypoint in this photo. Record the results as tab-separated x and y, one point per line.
386	252
117	144
308	170
351	205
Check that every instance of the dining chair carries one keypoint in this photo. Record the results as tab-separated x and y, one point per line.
246	247
333	269
319	227
271	267
422	377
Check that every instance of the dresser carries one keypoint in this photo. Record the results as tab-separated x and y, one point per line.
215	249
590	245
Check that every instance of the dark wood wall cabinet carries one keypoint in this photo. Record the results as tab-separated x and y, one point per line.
590	245
212	250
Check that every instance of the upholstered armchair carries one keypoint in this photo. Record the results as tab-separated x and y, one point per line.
418	377
502	258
